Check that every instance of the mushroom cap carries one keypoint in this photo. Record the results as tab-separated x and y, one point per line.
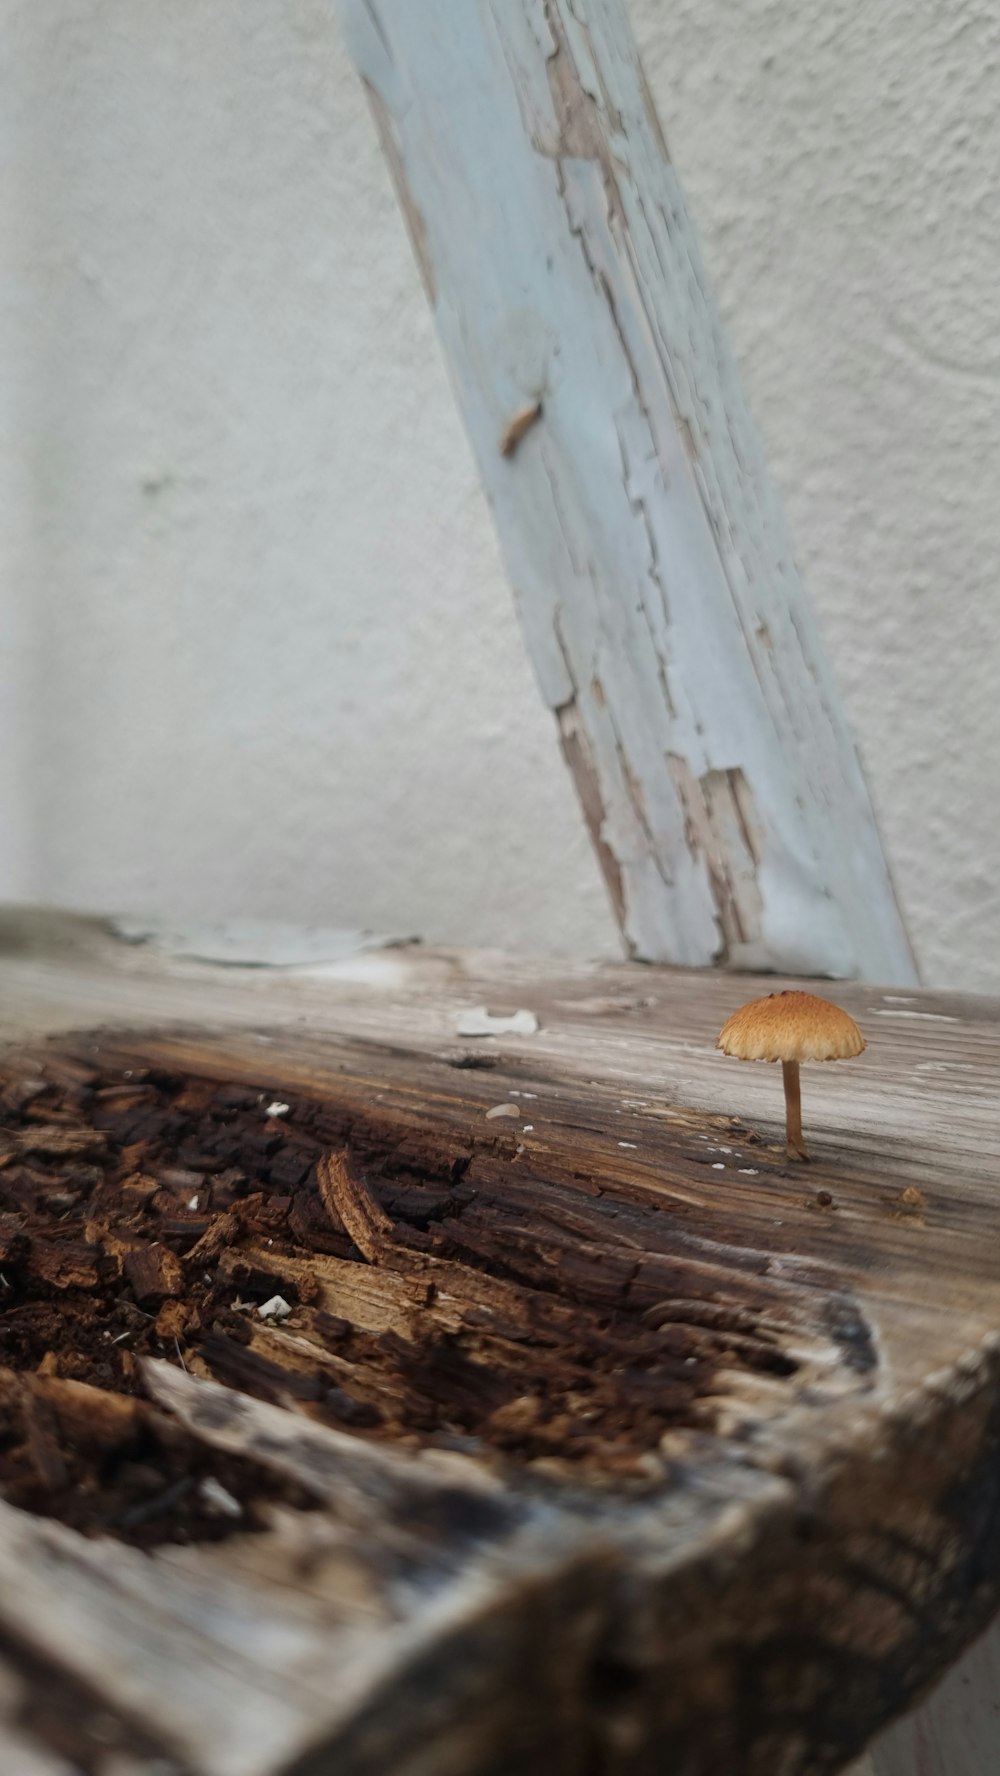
790	1026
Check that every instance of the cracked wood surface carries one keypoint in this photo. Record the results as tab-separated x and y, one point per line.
752	1560
653	576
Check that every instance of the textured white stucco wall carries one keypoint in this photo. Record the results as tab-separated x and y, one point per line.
256	652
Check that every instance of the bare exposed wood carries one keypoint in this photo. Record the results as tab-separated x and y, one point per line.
629	1444
652	571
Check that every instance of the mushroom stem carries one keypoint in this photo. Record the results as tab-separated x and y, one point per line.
793	1110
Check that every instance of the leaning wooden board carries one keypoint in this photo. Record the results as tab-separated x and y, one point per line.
598	1438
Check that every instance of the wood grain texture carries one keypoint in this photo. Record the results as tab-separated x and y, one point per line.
781	1566
650	564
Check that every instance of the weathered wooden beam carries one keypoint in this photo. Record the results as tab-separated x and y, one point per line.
664	1452
668	626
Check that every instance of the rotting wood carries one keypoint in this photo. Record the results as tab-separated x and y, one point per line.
807	1511
499	1275
651	567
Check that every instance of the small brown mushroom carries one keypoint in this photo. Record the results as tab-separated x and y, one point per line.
791	1027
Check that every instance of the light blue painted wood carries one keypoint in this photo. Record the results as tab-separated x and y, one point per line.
653	575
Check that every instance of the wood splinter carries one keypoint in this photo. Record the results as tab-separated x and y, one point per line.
349	1202
517	426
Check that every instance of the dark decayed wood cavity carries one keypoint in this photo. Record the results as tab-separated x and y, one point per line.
438	1292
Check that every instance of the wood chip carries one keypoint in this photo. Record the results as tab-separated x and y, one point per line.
154	1273
175	1318
222	1233
13	1243
54	1139
68	1264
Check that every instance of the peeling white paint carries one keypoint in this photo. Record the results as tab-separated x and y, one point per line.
652	571
249	943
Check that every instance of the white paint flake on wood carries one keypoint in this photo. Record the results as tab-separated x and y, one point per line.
653	575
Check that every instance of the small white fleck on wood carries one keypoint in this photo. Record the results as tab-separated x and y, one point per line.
930	1017
218	1500
275	1309
483	1022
